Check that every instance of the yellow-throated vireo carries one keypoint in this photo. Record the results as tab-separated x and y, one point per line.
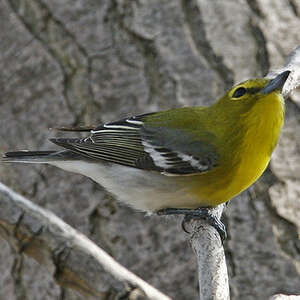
180	159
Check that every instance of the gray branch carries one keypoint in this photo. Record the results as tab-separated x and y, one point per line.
74	260
292	64
285	297
212	269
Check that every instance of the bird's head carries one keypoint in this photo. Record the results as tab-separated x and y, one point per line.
243	96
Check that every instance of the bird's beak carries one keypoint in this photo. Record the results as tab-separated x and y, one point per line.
277	83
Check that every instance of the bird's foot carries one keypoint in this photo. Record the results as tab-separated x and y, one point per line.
203	213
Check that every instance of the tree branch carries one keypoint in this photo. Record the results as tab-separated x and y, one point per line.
285	297
292	63
74	260
212	269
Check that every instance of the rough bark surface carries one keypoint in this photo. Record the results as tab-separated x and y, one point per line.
87	61
69	256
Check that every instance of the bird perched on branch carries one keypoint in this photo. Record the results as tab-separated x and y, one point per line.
181	160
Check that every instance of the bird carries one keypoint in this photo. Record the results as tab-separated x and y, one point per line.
178	161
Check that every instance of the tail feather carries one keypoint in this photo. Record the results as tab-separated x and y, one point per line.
25	153
38	156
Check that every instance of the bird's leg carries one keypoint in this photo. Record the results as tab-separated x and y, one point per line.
203	213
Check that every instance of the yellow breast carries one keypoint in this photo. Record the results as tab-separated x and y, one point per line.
250	156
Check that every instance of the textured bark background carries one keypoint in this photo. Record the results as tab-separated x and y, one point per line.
87	61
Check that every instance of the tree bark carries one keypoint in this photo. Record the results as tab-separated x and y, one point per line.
74	260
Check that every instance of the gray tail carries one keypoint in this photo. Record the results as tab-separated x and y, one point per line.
38	156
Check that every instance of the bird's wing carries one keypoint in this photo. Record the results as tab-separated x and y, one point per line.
132	143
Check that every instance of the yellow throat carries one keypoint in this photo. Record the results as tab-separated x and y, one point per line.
245	141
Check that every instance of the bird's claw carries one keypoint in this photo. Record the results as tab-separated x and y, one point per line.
203	213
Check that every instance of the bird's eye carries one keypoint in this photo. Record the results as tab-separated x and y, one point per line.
239	92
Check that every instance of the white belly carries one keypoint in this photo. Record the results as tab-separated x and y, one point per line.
143	190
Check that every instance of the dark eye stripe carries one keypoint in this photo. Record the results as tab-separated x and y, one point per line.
253	90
